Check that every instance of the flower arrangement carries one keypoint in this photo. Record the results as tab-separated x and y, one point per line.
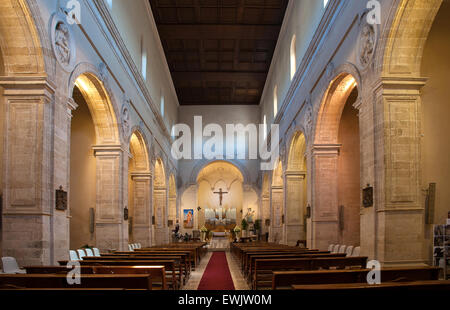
237	229
204	229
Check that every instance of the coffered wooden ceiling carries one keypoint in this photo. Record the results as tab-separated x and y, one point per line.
219	51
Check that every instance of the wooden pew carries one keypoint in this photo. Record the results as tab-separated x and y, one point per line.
179	259
248	270
434	286
125	281
173	274
285	279
264	268
186	257
194	254
157	273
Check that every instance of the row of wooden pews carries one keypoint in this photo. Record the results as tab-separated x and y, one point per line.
275	266
156	268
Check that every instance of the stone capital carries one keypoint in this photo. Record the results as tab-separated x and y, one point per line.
108	150
26	86
141	176
326	149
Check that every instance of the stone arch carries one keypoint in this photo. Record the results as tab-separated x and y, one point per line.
296	190
216	176
19	40
335	216
203	163
139	190
100	103
107	155
411	24
297	152
339	90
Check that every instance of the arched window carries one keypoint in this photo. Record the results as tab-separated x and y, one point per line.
293	57
265	127
143	59
162	107
275	101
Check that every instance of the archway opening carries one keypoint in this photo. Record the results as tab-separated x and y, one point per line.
220	195
95	177
277	209
349	173
139	194
82	174
296	187
336	157
435	110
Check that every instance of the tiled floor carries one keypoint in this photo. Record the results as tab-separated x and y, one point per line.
196	276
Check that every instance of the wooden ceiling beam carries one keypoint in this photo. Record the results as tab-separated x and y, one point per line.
179	76
219	32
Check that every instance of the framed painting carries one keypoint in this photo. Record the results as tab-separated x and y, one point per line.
188	218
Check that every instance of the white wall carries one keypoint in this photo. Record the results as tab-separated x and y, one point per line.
302	18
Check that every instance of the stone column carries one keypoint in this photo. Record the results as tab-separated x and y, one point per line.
325	226
295	206
28	201
276	223
265	214
109	222
160	203
399	205
142	225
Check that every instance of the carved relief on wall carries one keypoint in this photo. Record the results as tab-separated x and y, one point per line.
62	42
367	44
125	115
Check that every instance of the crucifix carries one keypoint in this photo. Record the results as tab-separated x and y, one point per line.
220	193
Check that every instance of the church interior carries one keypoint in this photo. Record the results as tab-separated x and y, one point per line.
225	145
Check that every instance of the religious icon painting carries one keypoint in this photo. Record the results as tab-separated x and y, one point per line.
188	215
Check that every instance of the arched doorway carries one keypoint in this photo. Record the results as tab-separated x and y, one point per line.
277	205
435	110
336	168
173	212
160	204
95	174
296	198
139	192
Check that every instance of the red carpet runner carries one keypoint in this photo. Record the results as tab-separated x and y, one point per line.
217	274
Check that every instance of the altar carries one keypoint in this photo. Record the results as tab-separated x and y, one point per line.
220	240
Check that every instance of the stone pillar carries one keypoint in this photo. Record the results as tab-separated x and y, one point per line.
160	203
109	232
325	226
172	215
142	213
265	213
28	193
399	204
295	206
276	223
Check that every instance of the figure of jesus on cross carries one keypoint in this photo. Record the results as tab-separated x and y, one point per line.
220	193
